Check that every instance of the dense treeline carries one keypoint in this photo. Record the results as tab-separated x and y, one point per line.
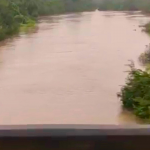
16	13
143	5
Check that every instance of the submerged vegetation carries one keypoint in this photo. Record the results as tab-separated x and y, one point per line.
23	13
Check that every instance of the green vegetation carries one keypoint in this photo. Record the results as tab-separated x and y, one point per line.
23	13
145	57
16	15
143	5
147	28
30	24
135	95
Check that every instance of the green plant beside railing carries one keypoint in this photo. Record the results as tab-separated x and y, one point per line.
135	94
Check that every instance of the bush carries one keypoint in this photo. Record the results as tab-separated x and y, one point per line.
145	57
135	95
147	27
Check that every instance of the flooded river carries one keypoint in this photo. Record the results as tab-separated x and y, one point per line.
70	68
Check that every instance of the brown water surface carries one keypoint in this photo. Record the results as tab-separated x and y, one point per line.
69	70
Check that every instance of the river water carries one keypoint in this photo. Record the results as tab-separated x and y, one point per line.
69	69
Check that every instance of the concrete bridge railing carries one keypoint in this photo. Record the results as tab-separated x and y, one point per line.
74	137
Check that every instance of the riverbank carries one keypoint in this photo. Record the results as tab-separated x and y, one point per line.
63	69
135	94
16	15
147	28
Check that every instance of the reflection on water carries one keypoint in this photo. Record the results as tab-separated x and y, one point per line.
68	71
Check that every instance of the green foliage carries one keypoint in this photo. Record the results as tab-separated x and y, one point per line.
16	13
8	24
145	57
26	27
135	95
147	27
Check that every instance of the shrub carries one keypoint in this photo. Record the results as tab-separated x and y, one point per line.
145	57
147	27
135	95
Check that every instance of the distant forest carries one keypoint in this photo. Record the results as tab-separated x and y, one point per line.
143	5
17	13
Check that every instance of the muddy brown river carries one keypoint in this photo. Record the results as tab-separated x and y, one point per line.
69	69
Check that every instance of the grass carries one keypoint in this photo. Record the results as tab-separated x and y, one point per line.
30	24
